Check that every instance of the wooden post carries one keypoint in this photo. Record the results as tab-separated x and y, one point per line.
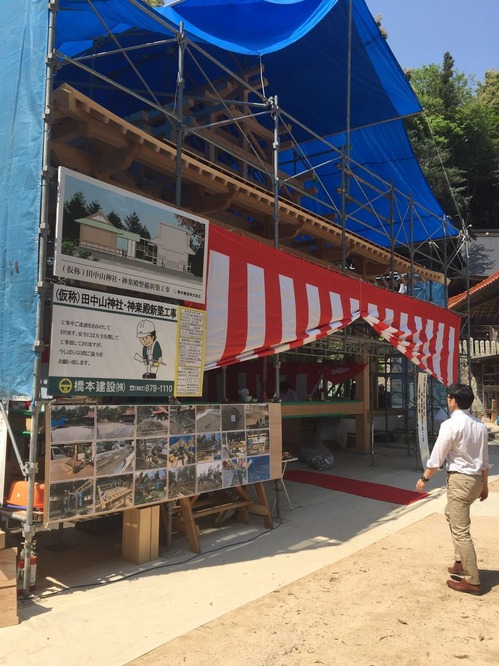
263	396
363	421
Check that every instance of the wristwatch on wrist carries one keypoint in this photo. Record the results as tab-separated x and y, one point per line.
423	478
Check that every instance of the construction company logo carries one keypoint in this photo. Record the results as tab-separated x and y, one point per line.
65	386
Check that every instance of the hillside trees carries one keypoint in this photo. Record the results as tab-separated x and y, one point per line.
460	132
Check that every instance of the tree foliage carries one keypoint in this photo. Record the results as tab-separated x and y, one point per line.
457	140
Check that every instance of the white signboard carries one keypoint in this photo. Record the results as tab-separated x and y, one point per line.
108	236
190	354
104	344
423	446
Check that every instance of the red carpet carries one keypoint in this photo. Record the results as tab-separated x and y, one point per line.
376	491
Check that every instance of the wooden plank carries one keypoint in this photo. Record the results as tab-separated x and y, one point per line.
320	409
8	558
263	505
244	505
154	541
220	508
8	588
191	529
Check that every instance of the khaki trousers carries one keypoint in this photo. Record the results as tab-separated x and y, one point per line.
462	491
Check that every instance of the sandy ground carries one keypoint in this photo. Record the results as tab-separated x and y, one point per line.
386	604
341	579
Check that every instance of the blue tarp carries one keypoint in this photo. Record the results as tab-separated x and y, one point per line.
302	47
306	68
386	155
308	71
303	50
23	50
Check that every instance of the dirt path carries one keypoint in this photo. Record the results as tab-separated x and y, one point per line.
387	604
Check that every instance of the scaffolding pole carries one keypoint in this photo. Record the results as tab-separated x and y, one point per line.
31	469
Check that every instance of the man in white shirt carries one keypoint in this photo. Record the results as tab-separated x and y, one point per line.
462	443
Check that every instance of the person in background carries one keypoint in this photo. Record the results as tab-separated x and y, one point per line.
286	393
462	443
384	398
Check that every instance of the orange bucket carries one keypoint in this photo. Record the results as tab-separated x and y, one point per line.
18	495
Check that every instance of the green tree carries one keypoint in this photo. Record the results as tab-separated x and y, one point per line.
133	224
74	209
115	220
456	140
488	91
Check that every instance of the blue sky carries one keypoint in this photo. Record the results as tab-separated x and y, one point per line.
420	31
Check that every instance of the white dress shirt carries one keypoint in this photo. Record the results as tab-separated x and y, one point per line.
462	443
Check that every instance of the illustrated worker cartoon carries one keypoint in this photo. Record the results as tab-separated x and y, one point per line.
151	350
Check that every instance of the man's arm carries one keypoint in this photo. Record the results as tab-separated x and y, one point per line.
485	490
427	474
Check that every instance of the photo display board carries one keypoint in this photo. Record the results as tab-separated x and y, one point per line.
108	236
108	458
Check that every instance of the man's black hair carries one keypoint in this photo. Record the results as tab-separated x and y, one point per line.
462	394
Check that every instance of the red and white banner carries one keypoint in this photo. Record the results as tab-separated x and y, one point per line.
262	301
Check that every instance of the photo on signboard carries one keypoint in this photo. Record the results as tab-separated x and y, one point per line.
207	418
234	444
182	450
113	493
150	486
209	447
152	420
181	481
72	423
235	472
115	421
258	469
71	461
151	453
182	419
258	442
107	235
209	476
257	415
233	417
70	499
114	456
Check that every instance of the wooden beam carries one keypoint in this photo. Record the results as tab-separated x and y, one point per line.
213	202
107	137
115	161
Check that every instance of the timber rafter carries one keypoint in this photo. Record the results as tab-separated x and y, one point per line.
90	139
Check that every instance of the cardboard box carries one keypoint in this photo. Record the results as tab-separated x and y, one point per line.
140	542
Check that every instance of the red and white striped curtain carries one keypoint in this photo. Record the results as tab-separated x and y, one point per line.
262	301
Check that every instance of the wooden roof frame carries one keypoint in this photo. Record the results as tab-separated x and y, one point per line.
92	140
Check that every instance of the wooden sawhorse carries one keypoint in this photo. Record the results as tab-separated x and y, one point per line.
219	502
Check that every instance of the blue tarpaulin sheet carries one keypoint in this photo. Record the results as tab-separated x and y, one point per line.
302	50
23	51
301	47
